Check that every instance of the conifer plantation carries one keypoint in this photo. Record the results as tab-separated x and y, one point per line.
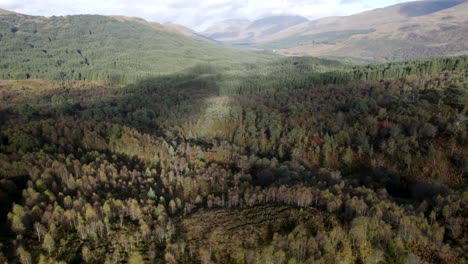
122	142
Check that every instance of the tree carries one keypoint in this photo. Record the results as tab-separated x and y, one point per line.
86	254
198	200
201	155
151	194
455	96
173	206
169	258
107	209
134	208
407	158
145	229
136	258
49	243
16	217
348	157
205	256
27	112
359	236
280	257
23	255
152	252
90	214
40	230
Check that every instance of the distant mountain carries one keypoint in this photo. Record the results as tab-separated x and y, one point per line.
403	31
185	31
114	49
244	31
228	30
427	7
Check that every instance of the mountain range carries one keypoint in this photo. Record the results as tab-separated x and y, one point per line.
402	31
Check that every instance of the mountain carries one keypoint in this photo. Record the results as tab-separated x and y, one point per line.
169	27
112	49
228	30
179	29
138	20
403	31
244	31
5	12
185	31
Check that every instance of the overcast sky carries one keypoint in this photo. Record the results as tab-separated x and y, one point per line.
196	14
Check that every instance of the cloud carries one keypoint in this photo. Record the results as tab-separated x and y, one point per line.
350	1
195	14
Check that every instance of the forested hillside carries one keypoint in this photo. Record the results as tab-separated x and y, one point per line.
115	50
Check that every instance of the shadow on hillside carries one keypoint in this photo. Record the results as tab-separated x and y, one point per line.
177	107
153	105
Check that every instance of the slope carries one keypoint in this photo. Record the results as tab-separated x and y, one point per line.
409	30
244	31
109	49
402	31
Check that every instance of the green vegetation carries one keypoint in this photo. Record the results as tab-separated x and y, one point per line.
102	49
286	160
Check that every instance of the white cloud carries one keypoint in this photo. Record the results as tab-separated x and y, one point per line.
195	14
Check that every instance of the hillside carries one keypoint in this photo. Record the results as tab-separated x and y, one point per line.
392	33
180	29
249	32
408	30
5	12
110	49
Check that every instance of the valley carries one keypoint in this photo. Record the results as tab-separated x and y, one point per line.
398	32
127	141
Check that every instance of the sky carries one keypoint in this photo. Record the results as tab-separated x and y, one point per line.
195	14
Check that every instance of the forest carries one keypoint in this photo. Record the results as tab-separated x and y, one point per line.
300	161
105	49
241	158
